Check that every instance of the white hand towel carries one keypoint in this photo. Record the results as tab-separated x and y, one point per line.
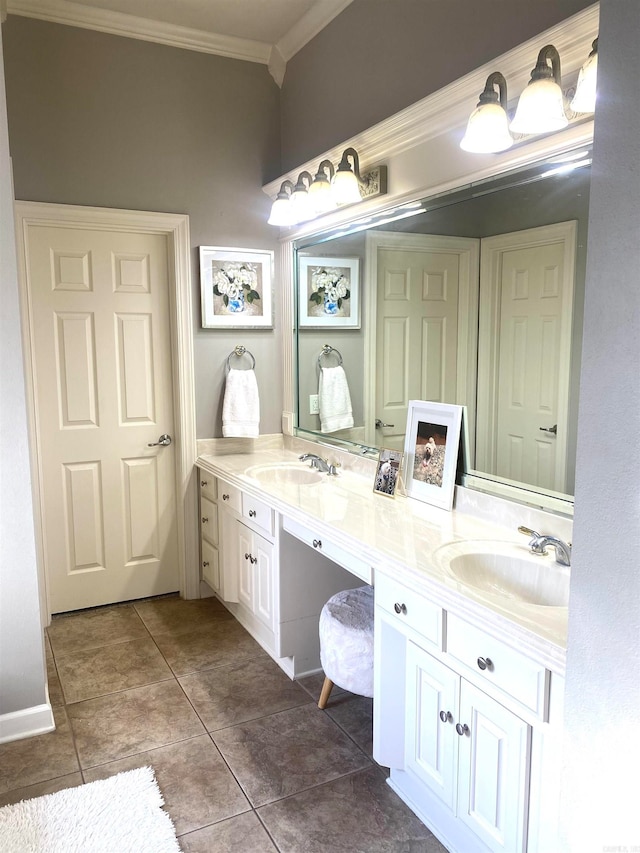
335	400
241	407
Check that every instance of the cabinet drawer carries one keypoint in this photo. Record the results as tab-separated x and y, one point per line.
207	484
356	565
210	565
230	496
498	664
209	520
410	609
258	512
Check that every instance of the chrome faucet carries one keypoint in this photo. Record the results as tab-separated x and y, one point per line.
319	463
539	542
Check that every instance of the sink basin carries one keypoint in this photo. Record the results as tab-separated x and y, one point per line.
282	474
507	570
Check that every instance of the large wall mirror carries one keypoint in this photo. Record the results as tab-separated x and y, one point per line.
474	297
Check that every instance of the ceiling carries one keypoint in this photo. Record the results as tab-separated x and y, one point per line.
266	31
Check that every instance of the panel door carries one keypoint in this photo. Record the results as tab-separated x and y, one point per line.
493	771
103	385
432	711
264	598
416	335
245	566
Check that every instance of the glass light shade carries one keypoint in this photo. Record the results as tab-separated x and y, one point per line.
345	187
540	109
584	100
320	196
281	212
301	206
487	130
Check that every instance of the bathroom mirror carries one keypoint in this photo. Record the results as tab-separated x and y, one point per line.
474	297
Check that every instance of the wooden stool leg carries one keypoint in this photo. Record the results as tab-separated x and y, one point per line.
324	693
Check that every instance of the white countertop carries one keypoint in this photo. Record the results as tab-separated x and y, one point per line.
401	537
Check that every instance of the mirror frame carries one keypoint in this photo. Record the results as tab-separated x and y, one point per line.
418	143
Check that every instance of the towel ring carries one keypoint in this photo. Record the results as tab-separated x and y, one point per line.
238	352
327	349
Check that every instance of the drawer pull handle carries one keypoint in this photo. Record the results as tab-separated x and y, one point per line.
204	483
205	563
205	520
252	513
462	730
485	663
225	497
446	716
400	608
317	543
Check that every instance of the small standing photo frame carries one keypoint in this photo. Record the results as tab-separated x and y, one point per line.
236	288
328	292
388	473
431	451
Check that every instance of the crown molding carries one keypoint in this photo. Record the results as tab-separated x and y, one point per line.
315	20
449	108
121	24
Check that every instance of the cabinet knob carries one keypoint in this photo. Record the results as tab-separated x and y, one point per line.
205	520
204	483
205	563
485	663
317	543
252	513
462	730
400	608
253	559
246	556
225	497
446	716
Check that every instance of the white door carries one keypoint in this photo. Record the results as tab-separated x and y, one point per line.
526	298
416	335
99	304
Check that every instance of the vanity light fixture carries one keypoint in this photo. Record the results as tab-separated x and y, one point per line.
584	100
346	181
320	195
541	108
488	127
281	212
300	202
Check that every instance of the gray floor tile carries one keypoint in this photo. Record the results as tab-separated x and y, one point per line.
40	758
51	786
357	813
94	628
242	834
122	724
89	673
234	694
177	616
313	685
354	715
196	784
219	643
276	756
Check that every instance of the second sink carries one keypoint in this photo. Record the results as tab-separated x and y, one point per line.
283	474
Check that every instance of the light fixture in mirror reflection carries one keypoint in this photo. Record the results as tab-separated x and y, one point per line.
473	298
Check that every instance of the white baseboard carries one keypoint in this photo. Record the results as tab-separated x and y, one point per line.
36	720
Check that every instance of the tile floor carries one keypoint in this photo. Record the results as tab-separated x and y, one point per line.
244	758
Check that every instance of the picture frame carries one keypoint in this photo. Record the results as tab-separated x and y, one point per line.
388	472
328	292
431	451
236	288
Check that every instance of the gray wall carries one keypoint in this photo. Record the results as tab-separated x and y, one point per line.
22	677
99	120
380	56
602	746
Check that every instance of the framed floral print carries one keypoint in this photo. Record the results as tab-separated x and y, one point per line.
328	292
236	288
431	451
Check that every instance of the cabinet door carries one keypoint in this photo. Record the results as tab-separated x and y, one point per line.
210	565
229	556
432	710
493	771
245	566
263	603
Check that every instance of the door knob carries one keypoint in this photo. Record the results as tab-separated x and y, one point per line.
163	441
379	424
553	430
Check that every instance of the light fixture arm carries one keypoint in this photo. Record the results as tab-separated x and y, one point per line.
489	96
543	71
321	174
345	166
285	185
300	185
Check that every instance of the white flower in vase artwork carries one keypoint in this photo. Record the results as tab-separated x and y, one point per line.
236	286
329	291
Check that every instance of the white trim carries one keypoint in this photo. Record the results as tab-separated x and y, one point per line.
449	108
28	722
145	29
176	228
468	251
308	27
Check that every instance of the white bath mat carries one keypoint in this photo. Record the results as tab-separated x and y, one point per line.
120	814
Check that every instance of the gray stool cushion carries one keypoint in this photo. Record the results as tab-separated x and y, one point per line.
346	640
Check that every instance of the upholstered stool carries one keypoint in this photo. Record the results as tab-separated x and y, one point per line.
346	642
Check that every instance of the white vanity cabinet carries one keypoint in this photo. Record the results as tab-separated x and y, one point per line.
209	531
467	754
